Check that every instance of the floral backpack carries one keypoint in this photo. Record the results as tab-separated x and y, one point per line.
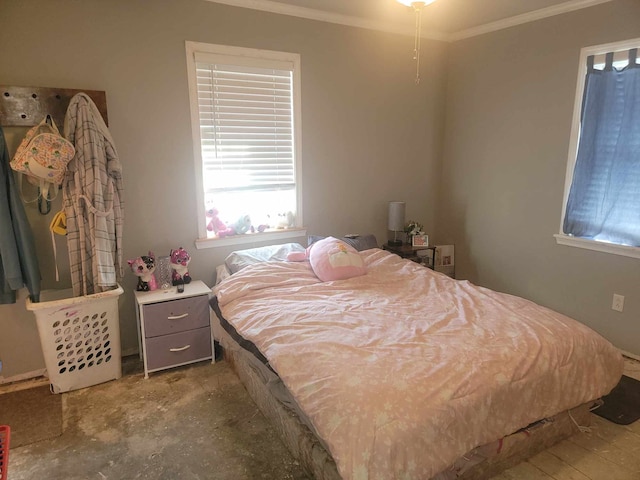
43	156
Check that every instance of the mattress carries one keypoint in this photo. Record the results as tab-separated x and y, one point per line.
276	403
403	370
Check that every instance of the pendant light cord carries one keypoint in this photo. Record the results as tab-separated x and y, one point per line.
417	6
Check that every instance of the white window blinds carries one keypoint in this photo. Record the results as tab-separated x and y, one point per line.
246	124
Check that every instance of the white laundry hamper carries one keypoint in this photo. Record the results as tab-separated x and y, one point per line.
80	337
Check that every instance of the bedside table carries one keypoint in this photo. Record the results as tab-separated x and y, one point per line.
174	328
421	255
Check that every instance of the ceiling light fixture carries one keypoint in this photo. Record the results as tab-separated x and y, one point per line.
417	8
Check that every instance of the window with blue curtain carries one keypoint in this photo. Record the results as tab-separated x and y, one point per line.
604	198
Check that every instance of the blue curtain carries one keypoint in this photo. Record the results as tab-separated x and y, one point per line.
604	200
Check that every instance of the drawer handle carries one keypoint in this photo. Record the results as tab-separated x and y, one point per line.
181	349
177	317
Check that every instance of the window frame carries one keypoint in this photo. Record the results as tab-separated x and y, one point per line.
258	55
561	237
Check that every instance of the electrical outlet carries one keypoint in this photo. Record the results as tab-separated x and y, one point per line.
618	302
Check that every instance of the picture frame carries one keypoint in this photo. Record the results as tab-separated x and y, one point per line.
420	240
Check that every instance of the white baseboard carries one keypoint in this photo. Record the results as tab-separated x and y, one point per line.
23	376
130	351
630	355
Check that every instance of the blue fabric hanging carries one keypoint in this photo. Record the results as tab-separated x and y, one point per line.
18	261
604	200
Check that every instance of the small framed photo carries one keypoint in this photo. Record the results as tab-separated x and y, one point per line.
420	241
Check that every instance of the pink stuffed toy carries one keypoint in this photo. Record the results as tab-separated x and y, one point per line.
179	260
299	256
331	259
214	223
143	268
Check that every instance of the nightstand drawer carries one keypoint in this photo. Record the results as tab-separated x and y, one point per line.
178	348
176	316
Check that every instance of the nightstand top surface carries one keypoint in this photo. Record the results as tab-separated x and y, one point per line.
193	289
406	248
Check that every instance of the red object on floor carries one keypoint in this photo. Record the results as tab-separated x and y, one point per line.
5	434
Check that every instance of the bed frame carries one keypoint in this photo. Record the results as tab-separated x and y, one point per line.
480	464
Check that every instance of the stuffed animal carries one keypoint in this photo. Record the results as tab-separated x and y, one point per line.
286	220
143	268
179	260
240	227
331	259
214	224
299	256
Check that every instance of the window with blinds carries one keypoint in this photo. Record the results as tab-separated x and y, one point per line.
246	109
602	194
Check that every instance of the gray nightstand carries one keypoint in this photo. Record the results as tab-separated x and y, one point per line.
174	328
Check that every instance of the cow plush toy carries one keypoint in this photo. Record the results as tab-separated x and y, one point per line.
143	268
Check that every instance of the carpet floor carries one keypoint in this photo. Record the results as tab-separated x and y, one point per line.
34	415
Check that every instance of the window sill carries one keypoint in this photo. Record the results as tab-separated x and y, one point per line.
614	249
248	238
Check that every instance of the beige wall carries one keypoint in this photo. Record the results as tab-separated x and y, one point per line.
369	134
508	119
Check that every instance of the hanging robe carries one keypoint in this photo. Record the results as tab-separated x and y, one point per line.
93	197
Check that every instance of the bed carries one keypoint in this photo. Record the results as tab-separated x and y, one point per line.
403	372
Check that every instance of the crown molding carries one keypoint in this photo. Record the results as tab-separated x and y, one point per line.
329	17
552	11
351	21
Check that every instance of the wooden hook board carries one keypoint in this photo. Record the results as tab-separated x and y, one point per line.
27	106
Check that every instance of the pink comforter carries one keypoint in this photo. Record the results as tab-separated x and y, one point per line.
403	370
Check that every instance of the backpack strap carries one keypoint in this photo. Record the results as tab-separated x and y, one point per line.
43	195
20	177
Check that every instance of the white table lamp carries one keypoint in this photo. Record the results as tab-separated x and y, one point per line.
396	221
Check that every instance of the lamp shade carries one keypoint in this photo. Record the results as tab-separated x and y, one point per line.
396	216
